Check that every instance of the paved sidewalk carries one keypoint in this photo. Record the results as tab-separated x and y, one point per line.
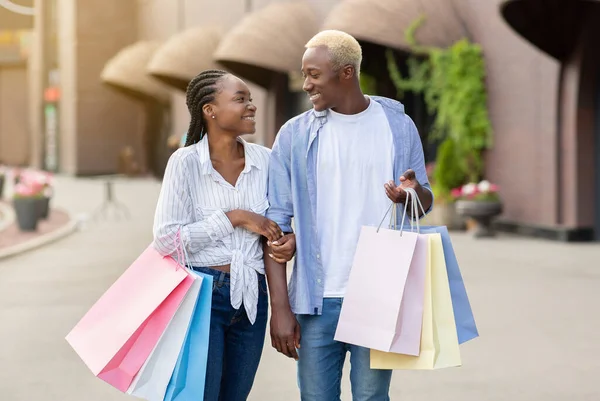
535	303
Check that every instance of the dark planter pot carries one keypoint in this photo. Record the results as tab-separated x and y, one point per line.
27	211
483	213
43	207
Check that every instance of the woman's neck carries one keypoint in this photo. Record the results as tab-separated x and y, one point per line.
224	148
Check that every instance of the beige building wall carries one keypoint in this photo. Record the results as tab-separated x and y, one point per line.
35	88
160	19
14	105
522	88
95	121
522	85
14	132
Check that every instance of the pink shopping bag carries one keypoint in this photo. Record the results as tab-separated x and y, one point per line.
116	336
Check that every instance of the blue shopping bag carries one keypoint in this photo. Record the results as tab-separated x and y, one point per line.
463	315
189	376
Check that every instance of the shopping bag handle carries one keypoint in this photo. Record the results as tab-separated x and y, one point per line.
416	206
181	251
410	199
392	208
413	199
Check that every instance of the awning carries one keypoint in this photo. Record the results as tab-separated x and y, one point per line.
268	41
552	26
185	55
384	22
126	72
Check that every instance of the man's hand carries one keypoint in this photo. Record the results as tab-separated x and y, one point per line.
285	332
397	194
283	250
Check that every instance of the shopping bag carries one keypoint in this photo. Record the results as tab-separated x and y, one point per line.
439	341
410	320
115	337
189	376
153	378
463	315
373	313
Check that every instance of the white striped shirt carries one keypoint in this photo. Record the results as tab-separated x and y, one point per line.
193	201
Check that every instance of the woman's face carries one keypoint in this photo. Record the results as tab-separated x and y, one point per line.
232	108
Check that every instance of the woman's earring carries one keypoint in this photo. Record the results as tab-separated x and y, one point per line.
213	116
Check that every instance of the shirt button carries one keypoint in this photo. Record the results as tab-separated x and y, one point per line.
319	256
319	281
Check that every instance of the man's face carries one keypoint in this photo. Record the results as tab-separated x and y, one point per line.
321	82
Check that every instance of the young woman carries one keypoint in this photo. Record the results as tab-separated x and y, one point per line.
214	197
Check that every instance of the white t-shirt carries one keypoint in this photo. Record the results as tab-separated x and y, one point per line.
355	159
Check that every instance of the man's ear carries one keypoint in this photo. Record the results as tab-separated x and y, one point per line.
348	72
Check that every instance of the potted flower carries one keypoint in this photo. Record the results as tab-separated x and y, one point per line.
26	201
43	180
481	203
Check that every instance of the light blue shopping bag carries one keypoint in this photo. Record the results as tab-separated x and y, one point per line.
463	315
189	376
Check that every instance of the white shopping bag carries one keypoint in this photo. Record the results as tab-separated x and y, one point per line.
153	378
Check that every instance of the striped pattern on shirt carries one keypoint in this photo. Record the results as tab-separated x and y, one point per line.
194	199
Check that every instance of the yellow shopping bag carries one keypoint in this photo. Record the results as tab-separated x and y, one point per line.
439	341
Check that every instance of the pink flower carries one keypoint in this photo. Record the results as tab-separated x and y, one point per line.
456	193
36	178
469	189
24	190
494	188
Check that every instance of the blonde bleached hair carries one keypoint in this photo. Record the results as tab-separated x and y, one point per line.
343	48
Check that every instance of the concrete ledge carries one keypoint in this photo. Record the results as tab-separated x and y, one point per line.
39	241
551	233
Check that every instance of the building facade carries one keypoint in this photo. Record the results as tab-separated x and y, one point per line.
544	110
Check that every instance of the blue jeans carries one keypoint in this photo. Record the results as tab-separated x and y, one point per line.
321	360
235	345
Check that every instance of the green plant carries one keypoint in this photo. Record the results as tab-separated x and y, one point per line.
449	170
368	84
452	83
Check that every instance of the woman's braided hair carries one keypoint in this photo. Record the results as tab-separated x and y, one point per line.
200	91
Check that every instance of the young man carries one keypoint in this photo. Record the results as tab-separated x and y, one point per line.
332	169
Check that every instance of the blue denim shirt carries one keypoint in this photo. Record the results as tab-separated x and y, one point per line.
293	191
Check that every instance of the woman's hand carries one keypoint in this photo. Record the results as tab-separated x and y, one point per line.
256	223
